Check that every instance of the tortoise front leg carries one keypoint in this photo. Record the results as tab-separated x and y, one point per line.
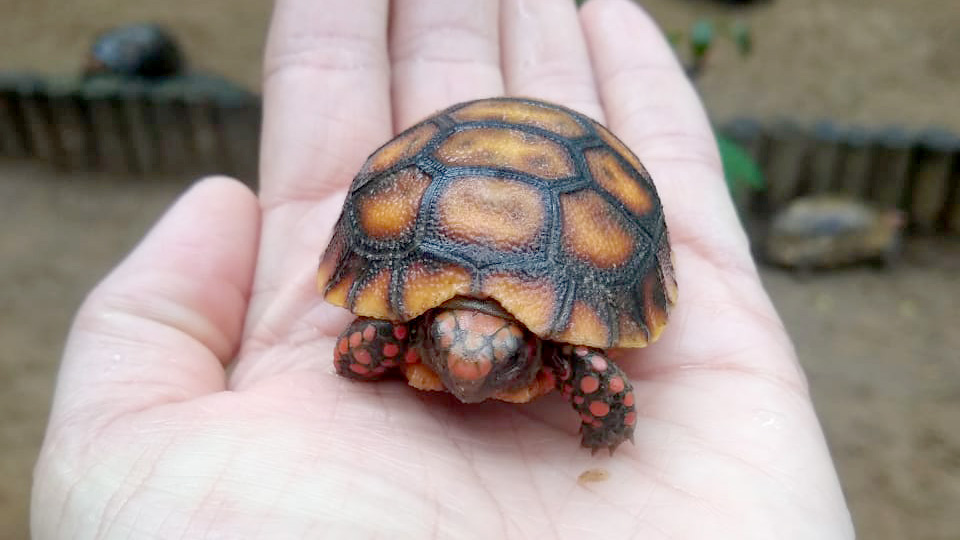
598	390
369	349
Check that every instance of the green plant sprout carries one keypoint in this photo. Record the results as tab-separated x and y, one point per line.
741	171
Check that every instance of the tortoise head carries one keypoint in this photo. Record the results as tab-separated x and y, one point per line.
478	354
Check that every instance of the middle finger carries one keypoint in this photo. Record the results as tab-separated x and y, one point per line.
545	55
442	53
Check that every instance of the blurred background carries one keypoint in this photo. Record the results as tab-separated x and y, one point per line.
811	99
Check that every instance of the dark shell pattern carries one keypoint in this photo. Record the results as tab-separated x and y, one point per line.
529	203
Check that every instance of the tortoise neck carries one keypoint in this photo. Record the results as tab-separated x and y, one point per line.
483	305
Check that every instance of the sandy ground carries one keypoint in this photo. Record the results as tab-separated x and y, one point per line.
880	348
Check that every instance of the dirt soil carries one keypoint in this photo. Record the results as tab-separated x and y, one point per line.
880	347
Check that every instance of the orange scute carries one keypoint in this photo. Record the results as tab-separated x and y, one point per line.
655	314
390	209
611	175
337	292
592	233
510	148
632	333
666	258
585	328
426	287
619	147
531	301
373	300
328	265
498	212
516	112
329	260
403	147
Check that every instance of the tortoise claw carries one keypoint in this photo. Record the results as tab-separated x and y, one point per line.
596	448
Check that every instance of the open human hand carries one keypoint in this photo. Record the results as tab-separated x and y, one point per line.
197	396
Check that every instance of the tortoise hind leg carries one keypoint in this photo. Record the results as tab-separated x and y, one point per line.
599	391
370	349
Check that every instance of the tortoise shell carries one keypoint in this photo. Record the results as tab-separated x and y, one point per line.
528	203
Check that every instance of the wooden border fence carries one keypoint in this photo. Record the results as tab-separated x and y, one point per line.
917	172
193	124
199	124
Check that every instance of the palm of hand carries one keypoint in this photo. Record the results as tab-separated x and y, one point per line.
151	435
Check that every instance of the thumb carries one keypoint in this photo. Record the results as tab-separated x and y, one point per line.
160	327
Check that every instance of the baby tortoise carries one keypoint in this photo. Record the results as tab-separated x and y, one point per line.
495	250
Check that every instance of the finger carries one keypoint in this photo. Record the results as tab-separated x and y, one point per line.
326	108
723	313
724	372
442	53
545	55
326	95
651	105
161	326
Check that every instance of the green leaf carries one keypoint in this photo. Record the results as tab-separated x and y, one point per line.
739	168
701	37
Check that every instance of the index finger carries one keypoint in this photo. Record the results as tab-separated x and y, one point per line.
326	107
326	95
654	109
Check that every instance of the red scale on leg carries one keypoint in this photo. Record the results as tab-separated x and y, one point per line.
362	349
599	408
359	369
363	356
598	363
